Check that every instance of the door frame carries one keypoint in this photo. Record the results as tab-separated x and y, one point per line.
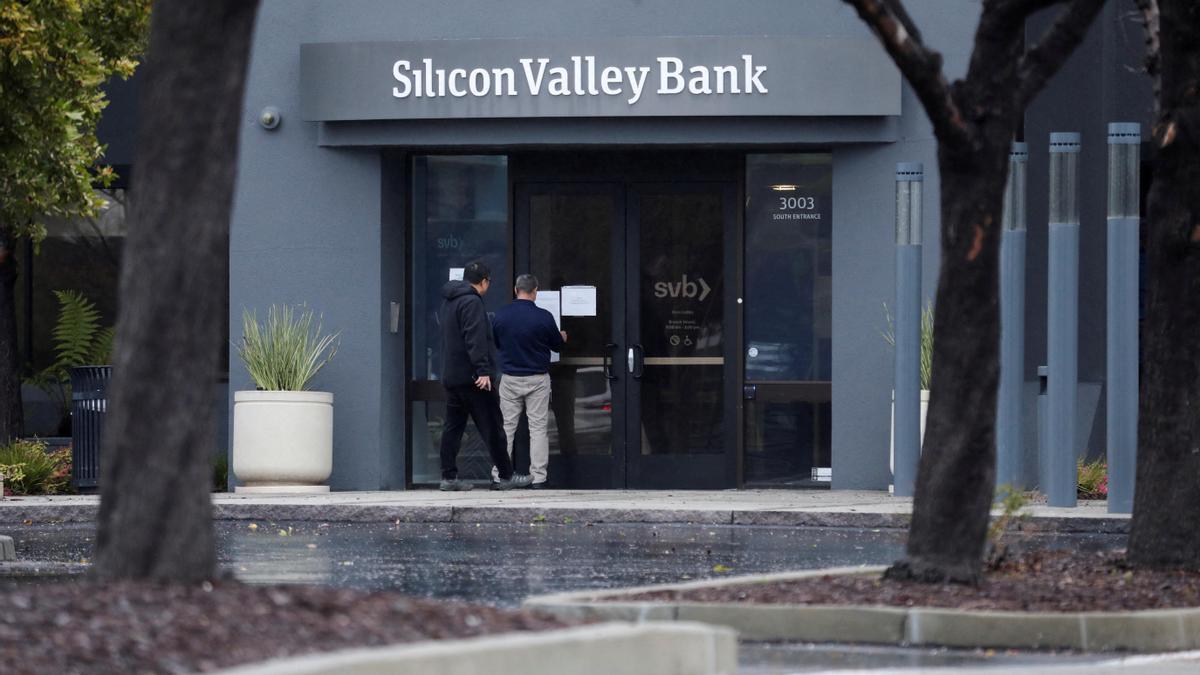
585	471
716	471
627	468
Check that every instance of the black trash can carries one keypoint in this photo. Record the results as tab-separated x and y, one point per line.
89	402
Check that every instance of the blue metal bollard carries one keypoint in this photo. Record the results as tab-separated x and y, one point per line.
1124	220
1009	441
907	419
1062	322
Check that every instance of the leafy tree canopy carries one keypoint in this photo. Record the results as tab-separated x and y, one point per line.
55	56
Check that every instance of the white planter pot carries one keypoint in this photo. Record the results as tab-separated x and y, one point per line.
282	440
892	428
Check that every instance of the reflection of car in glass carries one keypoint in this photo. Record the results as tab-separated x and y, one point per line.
591	412
776	361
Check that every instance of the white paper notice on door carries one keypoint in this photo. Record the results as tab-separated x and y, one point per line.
456	273
550	301
579	301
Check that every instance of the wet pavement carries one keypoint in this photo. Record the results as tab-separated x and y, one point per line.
501	564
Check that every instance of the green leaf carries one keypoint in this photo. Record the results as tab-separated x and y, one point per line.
55	57
102	347
76	330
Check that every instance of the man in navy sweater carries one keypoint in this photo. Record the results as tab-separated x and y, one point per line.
525	336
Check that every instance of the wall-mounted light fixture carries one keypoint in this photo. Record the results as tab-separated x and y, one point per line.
269	118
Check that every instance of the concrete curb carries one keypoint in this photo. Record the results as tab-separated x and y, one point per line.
605	649
13	512
41	569
1140	631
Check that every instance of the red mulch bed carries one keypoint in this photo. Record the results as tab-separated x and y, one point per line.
82	627
1043	581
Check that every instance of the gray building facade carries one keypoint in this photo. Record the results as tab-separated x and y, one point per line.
731	225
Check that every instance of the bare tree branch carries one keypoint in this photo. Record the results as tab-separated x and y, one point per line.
1044	59
922	67
1149	10
896	7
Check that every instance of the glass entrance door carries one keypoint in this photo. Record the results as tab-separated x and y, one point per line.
677	259
641	395
572	235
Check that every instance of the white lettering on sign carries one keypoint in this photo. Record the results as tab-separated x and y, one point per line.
683	288
579	76
803	203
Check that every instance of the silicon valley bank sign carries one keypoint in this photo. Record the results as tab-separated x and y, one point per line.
614	77
582	78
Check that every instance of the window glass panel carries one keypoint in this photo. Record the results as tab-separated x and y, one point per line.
473	461
784	441
571	245
78	254
788	309
460	214
682	323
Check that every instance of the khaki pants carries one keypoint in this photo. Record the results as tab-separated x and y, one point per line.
530	393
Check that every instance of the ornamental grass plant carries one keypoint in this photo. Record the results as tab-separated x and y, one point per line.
29	468
1092	481
286	351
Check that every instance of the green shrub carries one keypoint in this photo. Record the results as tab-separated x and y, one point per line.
1010	501
1092	479
220	473
286	352
29	470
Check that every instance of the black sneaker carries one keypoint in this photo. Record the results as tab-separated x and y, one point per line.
517	481
454	485
539	486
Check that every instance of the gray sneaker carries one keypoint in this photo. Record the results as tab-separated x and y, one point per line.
518	480
454	485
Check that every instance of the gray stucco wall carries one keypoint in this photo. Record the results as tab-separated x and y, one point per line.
322	225
306	228
864	262
319	214
1102	82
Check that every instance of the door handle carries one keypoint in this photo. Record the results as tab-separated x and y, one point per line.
629	361
640	362
608	350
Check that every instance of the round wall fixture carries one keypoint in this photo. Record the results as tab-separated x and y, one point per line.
269	118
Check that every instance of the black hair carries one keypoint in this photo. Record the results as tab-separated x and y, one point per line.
475	272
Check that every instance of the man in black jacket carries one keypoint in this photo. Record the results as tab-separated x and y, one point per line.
467	370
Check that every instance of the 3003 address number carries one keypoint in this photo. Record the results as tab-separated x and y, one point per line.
797	203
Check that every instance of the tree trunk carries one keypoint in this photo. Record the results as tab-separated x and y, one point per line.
958	459
974	120
11	410
1166	509
155	518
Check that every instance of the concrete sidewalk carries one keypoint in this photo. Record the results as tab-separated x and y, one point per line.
798	508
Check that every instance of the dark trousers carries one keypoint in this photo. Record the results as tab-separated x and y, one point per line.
483	407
